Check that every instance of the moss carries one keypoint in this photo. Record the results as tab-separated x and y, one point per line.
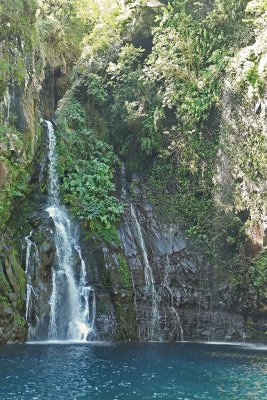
4	300
18	18
119	310
17	185
125	271
20	322
105	277
19	272
109	235
178	195
254	79
4	285
125	315
257	274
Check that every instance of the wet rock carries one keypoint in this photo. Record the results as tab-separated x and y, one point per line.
189	307
42	258
12	286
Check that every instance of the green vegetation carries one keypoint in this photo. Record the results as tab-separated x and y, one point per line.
4	286
124	270
163	105
105	21
257	274
16	183
86	167
160	107
249	279
17	35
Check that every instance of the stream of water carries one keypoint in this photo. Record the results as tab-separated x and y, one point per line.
72	302
72	320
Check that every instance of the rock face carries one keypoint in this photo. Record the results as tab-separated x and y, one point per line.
189	306
22	105
177	300
12	290
241	172
40	256
110	277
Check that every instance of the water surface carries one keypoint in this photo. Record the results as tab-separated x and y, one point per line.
136	371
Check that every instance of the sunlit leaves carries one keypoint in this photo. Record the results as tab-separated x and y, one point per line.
86	166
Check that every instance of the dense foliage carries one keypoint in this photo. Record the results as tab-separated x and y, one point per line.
17	177
161	100
86	167
18	37
17	34
164	104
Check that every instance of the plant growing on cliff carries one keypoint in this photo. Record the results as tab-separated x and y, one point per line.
124	270
159	101
15	174
17	34
90	192
86	167
95	89
257	275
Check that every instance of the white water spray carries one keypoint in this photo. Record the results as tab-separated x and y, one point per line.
71	297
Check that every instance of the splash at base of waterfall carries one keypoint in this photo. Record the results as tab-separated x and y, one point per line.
84	329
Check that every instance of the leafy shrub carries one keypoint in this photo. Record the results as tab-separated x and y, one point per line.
95	89
86	167
16	186
17	35
257	274
88	189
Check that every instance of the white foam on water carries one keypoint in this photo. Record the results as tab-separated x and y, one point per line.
69	342
249	346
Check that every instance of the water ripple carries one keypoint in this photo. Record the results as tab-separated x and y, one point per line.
127	372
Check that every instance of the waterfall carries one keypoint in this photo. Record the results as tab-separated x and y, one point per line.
28	274
71	297
149	278
169	290
87	296
72	301
153	333
32	255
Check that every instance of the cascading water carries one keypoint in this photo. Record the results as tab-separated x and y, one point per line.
32	256
28	274
149	278
72	302
71	297
153	333
87	295
169	290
